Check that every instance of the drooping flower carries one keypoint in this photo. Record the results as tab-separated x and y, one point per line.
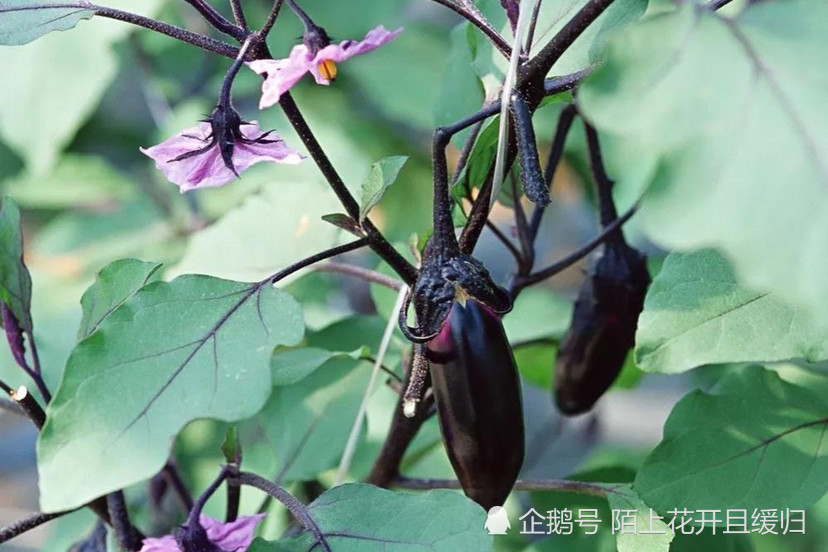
235	536
316	55
217	150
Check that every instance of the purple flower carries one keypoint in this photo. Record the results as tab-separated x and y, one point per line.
318	56
235	536
217	150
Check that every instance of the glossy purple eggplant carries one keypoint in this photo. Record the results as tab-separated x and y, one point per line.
603	327
477	391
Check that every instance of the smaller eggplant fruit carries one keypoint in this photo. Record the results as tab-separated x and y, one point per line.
603	327
477	391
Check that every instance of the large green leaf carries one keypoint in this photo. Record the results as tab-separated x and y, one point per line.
113	285
588	47
22	21
15	282
724	122
755	441
308	423
697	313
174	352
269	230
364	518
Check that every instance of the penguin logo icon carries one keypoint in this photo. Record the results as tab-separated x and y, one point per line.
497	521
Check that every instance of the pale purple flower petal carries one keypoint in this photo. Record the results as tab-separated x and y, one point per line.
235	536
161	544
207	169
350	48
280	75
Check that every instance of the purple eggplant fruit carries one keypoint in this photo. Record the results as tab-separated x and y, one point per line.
603	327
477	391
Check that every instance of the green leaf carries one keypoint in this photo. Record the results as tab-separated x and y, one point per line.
270	230
724	122
22	21
588	47
343	221
76	181
623	498
755	441
460	92
480	159
383	173
113	285
364	518
292	365
174	352
719	542
15	282
308	423
697	313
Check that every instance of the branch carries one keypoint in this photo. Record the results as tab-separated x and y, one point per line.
198	507
603	183
24	525
555	485
507	243
127	536
199	40
271	19
377	241
400	435
173	478
536	68
361	273
572	258
478	20
328	253
299	510
480	208
29	406
556	151
217	20
238	14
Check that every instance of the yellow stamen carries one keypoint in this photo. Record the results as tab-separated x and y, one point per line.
327	69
